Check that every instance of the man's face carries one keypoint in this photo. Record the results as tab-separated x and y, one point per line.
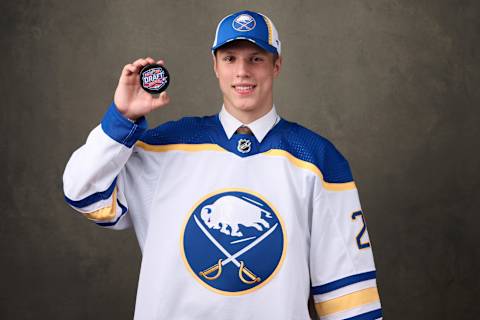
245	73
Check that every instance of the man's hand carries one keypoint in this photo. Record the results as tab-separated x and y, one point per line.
131	100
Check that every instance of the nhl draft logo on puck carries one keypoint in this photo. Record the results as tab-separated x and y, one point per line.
154	78
233	241
243	23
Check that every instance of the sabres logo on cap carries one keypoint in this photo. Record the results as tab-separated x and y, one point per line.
243	23
234	241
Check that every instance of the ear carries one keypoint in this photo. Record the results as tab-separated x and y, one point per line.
277	66
215	65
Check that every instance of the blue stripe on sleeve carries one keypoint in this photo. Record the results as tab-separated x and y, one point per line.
111	223
103	195
121	129
372	315
331	286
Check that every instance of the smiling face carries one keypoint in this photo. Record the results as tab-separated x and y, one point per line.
245	73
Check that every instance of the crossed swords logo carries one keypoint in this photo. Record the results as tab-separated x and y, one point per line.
245	24
242	269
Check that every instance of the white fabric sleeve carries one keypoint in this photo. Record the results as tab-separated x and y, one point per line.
94	178
341	261
342	270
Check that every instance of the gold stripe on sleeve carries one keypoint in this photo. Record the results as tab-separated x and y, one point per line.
348	301
106	213
339	186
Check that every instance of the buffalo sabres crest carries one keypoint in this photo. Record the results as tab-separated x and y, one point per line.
243	23
234	241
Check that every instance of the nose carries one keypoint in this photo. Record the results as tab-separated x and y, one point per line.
243	69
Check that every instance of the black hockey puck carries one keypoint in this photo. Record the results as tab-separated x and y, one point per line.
154	78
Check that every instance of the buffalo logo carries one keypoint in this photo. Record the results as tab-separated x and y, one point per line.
154	79
244	145
233	241
243	22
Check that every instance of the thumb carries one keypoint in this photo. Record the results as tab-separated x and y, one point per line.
162	100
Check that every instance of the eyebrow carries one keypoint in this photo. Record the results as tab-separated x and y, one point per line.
230	51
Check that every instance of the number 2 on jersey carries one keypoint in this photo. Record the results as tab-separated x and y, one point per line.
360	244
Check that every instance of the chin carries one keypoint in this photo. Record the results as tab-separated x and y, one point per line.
246	105
246	108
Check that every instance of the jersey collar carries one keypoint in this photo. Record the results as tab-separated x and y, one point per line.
259	127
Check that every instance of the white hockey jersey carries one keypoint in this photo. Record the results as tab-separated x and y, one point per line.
229	228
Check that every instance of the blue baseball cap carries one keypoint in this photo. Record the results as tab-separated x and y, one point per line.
248	25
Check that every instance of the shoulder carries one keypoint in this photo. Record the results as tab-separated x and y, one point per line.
310	146
184	130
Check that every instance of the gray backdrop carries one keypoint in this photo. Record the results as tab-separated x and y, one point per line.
394	84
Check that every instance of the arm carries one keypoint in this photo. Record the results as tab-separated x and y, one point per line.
94	182
343	272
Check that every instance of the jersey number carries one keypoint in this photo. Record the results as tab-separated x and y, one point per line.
360	244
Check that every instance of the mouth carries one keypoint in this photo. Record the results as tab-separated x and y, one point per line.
244	89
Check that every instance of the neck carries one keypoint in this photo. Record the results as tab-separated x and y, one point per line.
248	116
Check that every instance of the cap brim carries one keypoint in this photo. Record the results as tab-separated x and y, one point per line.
259	43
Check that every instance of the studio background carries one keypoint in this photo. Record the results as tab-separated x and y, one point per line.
394	85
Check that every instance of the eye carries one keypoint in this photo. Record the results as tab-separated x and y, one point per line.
228	59
257	59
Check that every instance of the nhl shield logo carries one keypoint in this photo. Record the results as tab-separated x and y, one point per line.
243	23
244	145
233	242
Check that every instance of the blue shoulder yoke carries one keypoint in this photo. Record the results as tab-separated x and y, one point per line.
297	140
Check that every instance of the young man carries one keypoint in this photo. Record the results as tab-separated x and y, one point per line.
239	215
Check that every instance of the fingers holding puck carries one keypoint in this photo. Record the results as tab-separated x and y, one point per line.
154	78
